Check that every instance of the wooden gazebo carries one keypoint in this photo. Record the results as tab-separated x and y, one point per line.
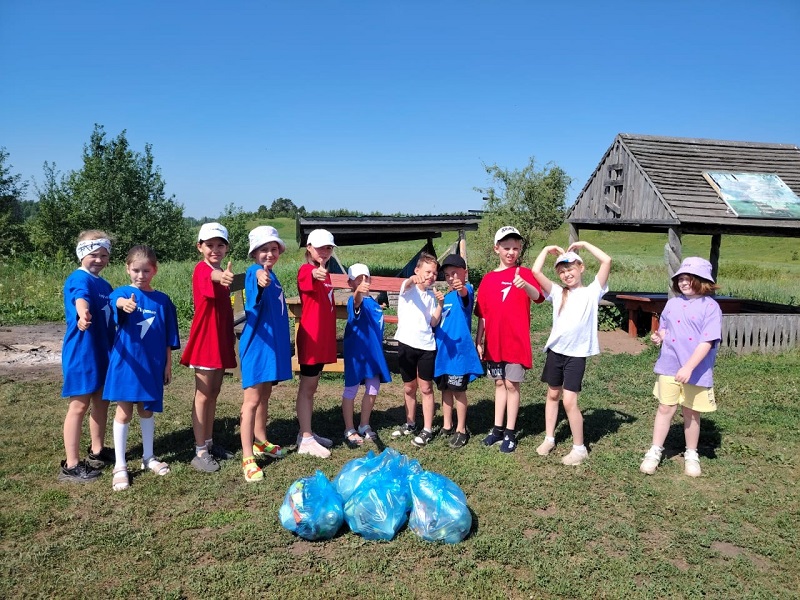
657	184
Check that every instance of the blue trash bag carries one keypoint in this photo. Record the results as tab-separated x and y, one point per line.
379	506
353	472
439	509
312	508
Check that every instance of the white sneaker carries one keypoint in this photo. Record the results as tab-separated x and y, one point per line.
575	457
308	445
691	463
651	460
545	448
322	441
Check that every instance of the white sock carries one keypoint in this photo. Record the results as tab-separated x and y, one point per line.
656	449
148	433
552	440
200	450
581	448
120	443
209	443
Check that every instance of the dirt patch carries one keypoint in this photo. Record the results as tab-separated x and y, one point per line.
31	351
619	342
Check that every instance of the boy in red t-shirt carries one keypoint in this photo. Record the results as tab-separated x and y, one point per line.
503	338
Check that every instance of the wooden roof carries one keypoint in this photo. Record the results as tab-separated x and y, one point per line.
357	231
652	183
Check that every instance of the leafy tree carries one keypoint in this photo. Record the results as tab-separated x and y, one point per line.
532	200
12	189
118	190
235	220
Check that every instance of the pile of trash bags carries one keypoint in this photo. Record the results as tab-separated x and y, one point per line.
377	496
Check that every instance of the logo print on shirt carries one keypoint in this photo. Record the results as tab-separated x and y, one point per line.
330	299
107	310
145	325
505	291
445	313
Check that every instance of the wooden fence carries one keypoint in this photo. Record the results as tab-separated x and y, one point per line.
754	332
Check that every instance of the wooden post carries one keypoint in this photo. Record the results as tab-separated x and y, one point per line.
573	233
461	248
716	242
672	255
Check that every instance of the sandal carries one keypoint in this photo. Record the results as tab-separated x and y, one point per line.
252	472
352	438
155	465
120	480
268	449
367	433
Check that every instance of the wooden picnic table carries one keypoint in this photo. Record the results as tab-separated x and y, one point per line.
653	304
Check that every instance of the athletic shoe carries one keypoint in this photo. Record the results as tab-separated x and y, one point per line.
405	429
575	457
651	460
205	463
492	439
219	452
458	440
509	443
444	432
423	439
310	446
545	448
322	441
80	473
102	459
267	449
691	463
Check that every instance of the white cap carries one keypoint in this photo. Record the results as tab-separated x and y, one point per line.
262	235
505	232
212	230
357	269
320	237
568	257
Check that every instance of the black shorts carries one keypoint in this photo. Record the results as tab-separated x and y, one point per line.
415	363
453	383
311	370
564	371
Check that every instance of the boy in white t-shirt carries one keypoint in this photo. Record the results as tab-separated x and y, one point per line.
572	339
418	312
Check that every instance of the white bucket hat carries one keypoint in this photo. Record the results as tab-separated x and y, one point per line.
262	235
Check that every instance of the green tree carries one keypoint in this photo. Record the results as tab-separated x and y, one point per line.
118	190
532	200
235	220
12	190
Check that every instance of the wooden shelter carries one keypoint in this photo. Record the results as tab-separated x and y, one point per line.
665	184
656	184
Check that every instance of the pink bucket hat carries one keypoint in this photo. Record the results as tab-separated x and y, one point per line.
694	265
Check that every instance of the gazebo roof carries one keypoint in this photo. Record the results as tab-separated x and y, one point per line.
653	183
357	231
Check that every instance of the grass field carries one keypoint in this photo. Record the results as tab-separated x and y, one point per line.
540	529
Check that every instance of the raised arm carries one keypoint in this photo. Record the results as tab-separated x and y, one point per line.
605	259
538	265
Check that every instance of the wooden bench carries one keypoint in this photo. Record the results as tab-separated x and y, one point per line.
653	304
339	281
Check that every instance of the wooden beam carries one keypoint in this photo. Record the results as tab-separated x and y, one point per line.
573	234
673	252
716	242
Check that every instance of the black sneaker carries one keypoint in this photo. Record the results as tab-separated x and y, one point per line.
405	429
219	452
102	459
509	443
80	473
492	438
444	432
459	440
423	439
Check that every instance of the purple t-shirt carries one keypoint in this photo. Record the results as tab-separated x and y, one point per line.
688	323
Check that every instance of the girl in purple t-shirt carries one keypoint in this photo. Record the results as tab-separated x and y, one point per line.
689	333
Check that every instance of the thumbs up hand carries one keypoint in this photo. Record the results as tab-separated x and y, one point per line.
127	304
262	277
320	273
227	275
518	281
84	319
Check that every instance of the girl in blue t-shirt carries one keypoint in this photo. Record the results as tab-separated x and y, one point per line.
84	357
265	348
141	359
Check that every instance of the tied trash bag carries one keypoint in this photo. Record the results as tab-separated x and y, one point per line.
354	472
379	506
312	508
439	509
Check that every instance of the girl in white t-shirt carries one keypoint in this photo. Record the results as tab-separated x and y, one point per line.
572	339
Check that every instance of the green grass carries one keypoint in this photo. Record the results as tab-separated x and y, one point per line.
541	530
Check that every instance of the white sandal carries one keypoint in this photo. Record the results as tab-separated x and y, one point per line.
120	480
155	465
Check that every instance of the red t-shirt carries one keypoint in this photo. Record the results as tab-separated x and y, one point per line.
211	335
316	335
506	311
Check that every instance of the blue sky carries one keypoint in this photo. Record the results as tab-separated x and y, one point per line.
385	105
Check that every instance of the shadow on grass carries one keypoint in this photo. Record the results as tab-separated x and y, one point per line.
710	439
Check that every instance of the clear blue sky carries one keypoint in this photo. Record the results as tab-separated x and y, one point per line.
379	105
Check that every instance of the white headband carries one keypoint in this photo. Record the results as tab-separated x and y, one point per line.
88	246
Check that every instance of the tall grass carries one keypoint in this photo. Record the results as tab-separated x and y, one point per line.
757	268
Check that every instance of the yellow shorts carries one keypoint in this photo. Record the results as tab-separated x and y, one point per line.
670	392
